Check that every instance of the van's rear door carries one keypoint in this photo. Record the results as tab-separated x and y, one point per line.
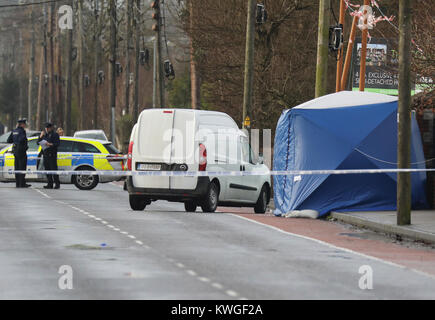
184	149
152	147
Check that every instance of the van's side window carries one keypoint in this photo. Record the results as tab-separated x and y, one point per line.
247	153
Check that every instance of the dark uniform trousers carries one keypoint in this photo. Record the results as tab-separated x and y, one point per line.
50	163
20	165
18	138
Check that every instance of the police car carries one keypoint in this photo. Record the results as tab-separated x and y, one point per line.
73	154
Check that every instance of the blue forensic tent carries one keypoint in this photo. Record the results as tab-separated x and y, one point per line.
345	130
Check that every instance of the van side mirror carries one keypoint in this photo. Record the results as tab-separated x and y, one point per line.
260	158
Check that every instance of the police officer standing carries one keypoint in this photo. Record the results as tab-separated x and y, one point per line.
18	138
49	151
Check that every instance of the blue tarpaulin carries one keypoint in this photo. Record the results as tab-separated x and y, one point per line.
345	130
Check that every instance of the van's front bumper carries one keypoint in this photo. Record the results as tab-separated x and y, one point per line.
178	195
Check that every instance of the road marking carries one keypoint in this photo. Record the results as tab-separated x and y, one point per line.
42	193
231	293
335	247
217	285
191	272
203	279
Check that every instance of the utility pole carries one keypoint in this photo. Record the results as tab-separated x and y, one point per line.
249	62
155	83
31	72
137	25
158	66
404	115
341	50
81	53
349	53
52	90
127	57
59	100
160	60
322	49
69	48
42	110
194	77
112	67
45	69
365	32
97	46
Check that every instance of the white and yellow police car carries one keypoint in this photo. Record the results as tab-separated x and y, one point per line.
73	154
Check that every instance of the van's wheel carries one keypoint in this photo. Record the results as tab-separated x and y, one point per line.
261	205
210	202
190	206
137	203
85	182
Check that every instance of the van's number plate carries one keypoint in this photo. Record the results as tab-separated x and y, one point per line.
149	167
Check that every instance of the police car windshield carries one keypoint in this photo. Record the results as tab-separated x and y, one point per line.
4	137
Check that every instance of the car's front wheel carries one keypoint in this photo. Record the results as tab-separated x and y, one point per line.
137	203
85	182
210	202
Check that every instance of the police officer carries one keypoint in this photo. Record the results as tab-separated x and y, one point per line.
49	151
18	138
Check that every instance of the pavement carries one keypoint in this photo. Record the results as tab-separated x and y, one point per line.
422	226
167	253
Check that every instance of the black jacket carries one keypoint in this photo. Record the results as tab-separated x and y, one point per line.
18	138
52	137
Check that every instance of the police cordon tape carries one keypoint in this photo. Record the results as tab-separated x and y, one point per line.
106	157
215	173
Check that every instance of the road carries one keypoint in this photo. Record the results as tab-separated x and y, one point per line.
166	253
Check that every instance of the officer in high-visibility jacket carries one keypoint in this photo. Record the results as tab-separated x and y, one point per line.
18	138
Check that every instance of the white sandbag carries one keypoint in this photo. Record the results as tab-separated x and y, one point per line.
311	214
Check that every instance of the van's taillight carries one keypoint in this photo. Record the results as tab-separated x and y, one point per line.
129	155
202	158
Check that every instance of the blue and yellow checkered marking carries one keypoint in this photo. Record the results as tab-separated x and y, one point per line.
66	161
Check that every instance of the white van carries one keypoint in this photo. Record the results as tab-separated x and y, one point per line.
194	140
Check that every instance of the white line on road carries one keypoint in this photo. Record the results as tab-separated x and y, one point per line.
217	285
191	272
335	247
203	279
231	293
